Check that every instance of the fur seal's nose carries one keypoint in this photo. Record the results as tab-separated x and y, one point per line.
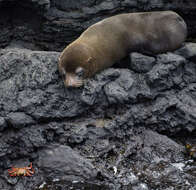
72	81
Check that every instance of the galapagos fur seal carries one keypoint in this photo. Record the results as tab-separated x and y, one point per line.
109	40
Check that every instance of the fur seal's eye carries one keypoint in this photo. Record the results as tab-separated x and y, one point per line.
79	71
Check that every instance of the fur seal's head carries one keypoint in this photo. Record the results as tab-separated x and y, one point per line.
74	64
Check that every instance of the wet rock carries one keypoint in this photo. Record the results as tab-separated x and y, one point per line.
72	185
141	186
61	162
3	185
141	63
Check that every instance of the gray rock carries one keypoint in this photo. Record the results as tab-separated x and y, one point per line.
3	124
189	72
78	136
31	85
169	58
188	51
141	186
117	91
165	144
67	5
61	162
19	120
141	63
93	90
42	21
167	72
113	120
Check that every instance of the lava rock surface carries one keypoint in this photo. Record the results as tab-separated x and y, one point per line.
122	129
126	128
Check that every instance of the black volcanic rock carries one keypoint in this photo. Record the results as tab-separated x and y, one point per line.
141	63
52	24
3	124
61	162
31	89
124	129
19	119
113	120
188	51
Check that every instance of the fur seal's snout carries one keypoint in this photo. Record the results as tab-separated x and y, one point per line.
72	79
111	39
73	64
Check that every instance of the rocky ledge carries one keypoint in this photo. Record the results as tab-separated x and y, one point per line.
126	128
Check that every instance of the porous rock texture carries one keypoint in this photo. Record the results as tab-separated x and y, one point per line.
106	132
124	129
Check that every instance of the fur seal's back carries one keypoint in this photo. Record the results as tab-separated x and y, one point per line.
111	39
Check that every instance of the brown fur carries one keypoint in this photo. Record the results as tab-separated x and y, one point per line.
111	39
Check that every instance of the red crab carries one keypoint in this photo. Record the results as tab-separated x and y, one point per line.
26	171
